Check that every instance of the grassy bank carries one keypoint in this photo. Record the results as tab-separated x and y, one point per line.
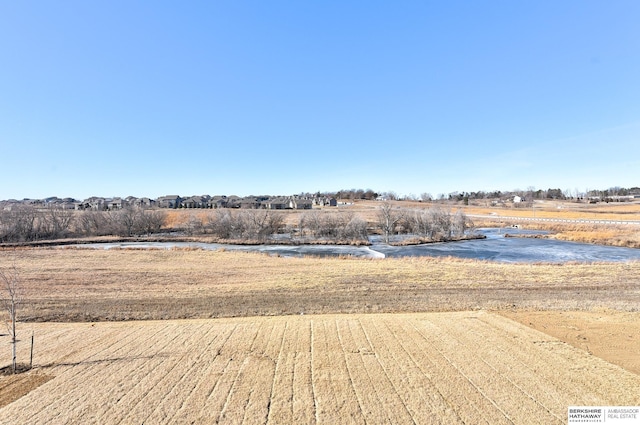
88	285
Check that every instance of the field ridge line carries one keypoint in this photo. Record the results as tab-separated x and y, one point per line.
384	369
456	367
313	385
515	384
139	381
239	375
177	334
346	365
420	366
76	372
203	352
368	373
262	354
275	370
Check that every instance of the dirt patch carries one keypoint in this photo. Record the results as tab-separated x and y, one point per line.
14	386
612	336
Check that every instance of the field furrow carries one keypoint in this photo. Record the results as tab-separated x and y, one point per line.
429	368
366	390
304	403
424	395
205	377
221	402
75	369
469	403
335	396
393	391
495	386
534	349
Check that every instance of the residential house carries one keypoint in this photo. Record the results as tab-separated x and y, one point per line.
300	204
218	202
276	204
169	201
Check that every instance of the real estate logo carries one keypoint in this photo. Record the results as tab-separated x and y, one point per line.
627	415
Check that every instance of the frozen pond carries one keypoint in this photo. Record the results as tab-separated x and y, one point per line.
495	248
498	248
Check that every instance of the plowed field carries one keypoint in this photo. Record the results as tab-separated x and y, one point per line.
463	367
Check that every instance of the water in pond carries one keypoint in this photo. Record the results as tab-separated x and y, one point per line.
495	248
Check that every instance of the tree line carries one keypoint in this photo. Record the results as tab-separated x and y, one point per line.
434	223
26	224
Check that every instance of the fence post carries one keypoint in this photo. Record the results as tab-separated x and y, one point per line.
31	356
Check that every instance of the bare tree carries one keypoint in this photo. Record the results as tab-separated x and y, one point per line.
57	222
11	298
441	221
459	223
19	224
388	219
151	221
125	221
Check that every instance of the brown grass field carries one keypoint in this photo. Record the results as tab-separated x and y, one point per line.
448	368
316	340
94	285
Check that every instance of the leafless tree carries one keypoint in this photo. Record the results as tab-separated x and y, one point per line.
441	222
388	219
419	223
248	224
194	225
57	222
219	223
336	225
12	296
459	223
19	224
355	228
151	221
125	221
425	197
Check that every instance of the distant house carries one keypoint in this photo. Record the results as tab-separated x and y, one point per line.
218	202
300	204
195	202
169	201
250	202
517	199
276	204
116	204
92	204
233	201
143	202
325	202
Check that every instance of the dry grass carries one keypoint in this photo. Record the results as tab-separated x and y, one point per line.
444	368
612	235
463	367
565	210
618	236
89	285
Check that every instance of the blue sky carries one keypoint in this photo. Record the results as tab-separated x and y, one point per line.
118	98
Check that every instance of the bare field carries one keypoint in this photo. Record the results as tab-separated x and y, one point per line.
464	367
610	335
94	285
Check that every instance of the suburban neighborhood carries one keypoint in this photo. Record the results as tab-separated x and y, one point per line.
175	201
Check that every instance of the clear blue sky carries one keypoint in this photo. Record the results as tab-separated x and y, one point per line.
147	98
